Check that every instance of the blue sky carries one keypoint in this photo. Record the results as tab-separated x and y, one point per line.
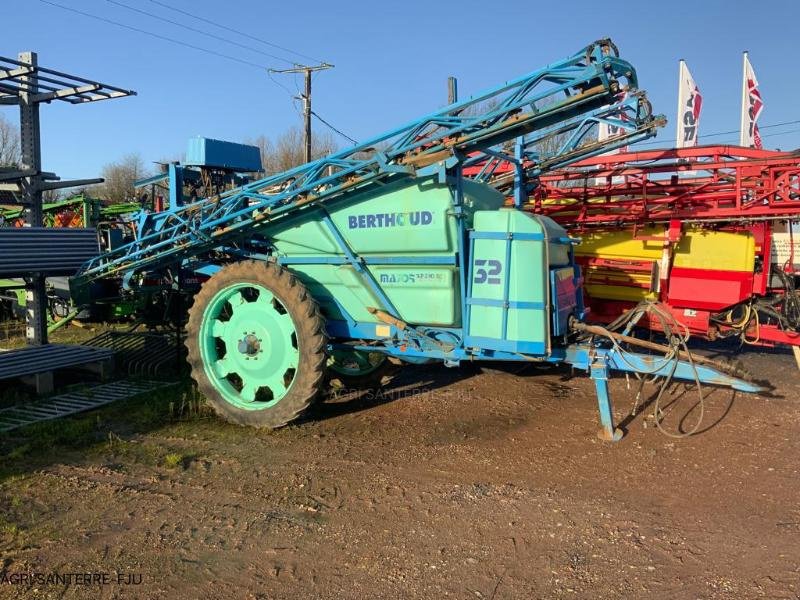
391	64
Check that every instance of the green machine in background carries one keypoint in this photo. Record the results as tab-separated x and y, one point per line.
79	210
113	223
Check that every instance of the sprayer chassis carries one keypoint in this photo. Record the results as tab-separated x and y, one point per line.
386	250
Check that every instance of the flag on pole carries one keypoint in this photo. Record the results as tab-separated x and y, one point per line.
607	131
751	107
690	101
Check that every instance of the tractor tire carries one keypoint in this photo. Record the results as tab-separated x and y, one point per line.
361	371
256	344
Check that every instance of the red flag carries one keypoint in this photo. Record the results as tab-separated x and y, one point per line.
752	105
690	101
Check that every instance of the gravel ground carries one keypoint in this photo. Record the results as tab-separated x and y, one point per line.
447	483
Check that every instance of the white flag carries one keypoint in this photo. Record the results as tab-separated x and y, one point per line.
751	107
690	101
606	131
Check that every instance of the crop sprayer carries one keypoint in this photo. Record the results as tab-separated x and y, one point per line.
385	251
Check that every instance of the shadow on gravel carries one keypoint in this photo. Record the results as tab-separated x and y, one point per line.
116	431
111	430
410	381
681	409
680	404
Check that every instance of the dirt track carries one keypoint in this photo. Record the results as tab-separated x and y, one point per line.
450	484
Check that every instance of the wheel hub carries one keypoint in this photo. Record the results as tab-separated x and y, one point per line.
250	345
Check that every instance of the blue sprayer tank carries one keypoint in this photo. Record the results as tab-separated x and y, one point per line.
414	224
523	288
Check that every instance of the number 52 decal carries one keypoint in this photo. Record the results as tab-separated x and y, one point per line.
487	271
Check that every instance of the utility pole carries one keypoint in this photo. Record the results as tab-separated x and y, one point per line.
306	97
452	90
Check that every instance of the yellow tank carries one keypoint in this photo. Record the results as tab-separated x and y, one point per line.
630	268
716	251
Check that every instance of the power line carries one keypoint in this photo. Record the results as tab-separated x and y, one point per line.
287	90
200	31
781	133
732	131
775	125
278	83
776	134
232	30
305	97
344	135
156	35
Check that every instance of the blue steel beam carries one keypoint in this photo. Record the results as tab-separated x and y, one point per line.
574	141
565	98
584	356
599	362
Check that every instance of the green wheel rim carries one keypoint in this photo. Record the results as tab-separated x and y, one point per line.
355	362
248	343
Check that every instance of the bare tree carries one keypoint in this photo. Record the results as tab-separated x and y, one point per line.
288	150
119	179
50	196
9	143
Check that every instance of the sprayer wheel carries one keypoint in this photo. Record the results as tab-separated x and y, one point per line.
359	370
256	344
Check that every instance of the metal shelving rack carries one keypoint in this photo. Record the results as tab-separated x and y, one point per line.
26	84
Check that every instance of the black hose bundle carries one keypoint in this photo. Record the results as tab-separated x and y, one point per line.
677	335
790	300
782	308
